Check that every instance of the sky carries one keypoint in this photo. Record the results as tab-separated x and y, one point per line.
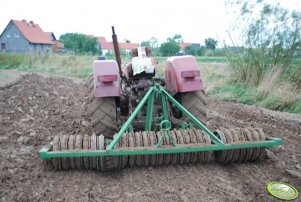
136	20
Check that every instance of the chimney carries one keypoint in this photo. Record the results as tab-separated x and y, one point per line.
31	22
23	20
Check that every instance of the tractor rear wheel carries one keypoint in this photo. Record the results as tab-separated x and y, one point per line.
196	104
102	112
103	116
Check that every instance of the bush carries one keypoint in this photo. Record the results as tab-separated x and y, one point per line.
271	37
80	43
169	48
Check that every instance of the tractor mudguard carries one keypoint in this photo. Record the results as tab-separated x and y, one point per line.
106	78
182	74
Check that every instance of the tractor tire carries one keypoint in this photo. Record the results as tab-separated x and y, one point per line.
103	116
102	112
196	104
90	84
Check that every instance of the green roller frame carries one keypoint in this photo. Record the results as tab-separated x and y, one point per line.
165	126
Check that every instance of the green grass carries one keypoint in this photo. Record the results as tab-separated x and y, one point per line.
296	61
12	61
211	59
76	66
234	93
215	71
295	107
160	59
72	66
199	59
281	96
251	96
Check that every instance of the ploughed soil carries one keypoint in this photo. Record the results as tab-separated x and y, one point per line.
34	108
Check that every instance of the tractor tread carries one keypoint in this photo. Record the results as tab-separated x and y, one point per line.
103	115
195	103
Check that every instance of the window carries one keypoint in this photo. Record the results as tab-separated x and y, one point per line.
8	35
3	46
16	35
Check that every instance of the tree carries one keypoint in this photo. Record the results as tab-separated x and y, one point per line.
90	45
178	38
171	46
210	43
153	42
145	43
190	50
79	43
270	36
201	51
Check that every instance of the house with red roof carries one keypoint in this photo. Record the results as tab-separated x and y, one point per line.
25	37
109	47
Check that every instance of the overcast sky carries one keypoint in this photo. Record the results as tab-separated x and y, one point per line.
135	20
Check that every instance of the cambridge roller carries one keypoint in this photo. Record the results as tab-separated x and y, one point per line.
148	140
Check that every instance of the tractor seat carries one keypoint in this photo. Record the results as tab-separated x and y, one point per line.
142	66
130	74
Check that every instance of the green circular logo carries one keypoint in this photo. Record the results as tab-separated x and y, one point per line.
282	190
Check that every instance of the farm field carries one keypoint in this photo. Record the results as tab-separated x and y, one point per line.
36	107
192	102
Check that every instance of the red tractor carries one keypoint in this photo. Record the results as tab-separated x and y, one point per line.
116	91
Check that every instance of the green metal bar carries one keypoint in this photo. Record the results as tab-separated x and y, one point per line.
160	140
46	153
215	139
164	123
183	125
165	131
130	119
130	128
149	112
171	139
164	107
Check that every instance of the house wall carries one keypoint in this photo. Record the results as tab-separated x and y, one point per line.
14	40
39	48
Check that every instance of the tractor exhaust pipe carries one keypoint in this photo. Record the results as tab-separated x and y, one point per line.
116	50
